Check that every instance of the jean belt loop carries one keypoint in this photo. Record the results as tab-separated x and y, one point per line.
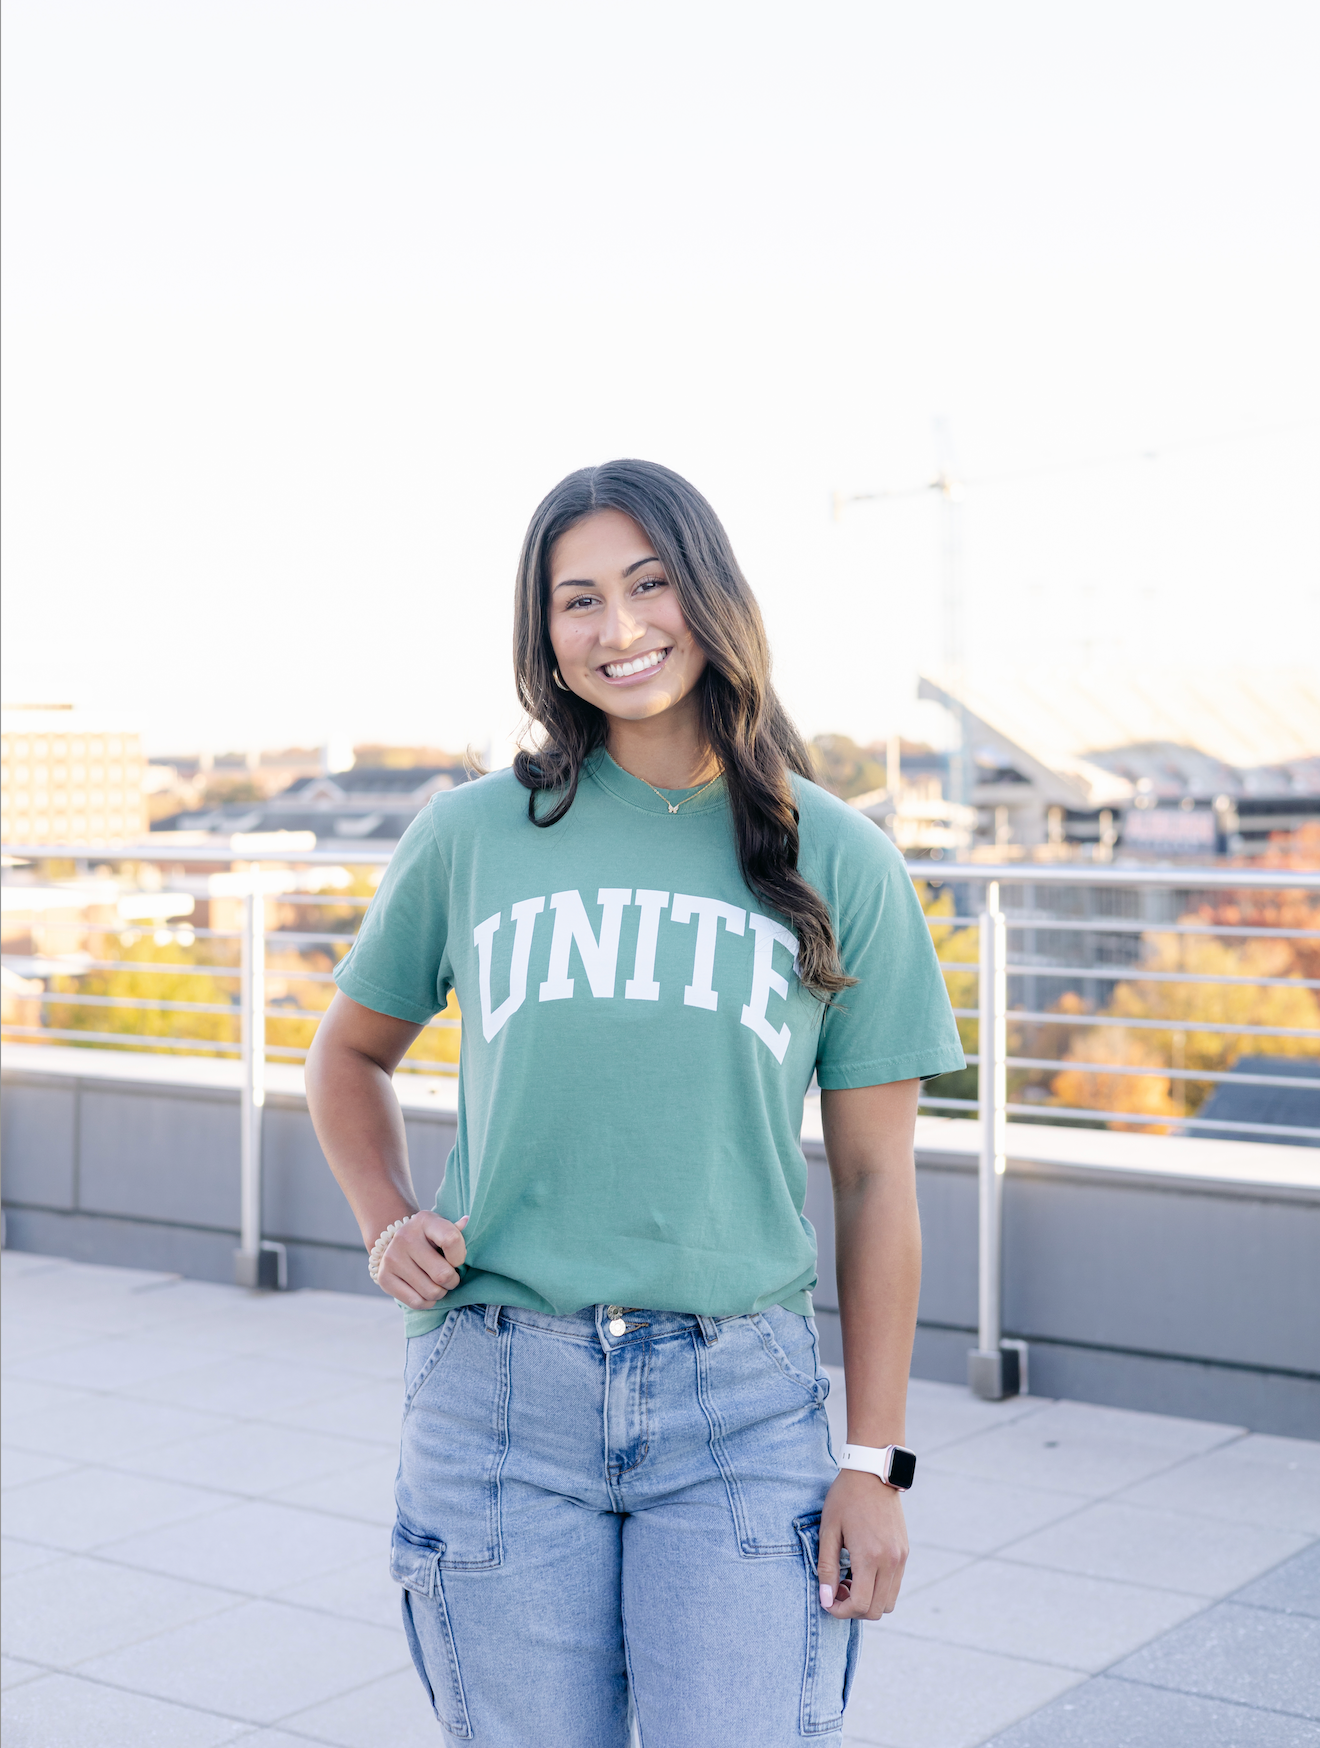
493	1319
709	1329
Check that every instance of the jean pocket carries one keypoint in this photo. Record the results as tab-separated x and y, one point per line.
790	1341
415	1564
423	1355
833	1645
455	1440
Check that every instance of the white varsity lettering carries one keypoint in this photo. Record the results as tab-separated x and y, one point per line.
524	915
642	986
598	957
765	979
708	912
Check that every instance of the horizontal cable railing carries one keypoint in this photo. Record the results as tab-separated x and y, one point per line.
1158	1040
73	968
1050	898
1212	1005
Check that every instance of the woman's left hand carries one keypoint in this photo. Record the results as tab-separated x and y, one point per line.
865	1516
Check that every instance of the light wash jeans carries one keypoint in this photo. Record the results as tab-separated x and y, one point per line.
589	1523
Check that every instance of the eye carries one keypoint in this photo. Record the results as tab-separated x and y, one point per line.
647	584
578	601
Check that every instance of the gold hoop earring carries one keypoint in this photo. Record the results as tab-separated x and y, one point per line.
554	673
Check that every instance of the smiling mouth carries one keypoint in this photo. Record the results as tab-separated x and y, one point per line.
642	664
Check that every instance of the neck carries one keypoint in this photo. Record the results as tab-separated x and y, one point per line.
668	750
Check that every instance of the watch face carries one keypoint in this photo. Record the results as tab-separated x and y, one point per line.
902	1467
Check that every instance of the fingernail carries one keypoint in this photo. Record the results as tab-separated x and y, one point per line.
463	1221
826	1596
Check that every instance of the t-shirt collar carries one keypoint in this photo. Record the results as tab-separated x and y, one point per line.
620	783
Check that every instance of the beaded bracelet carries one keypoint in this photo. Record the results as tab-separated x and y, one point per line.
381	1245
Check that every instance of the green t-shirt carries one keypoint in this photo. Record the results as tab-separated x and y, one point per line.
636	1046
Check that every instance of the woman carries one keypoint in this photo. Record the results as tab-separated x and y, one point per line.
616	1492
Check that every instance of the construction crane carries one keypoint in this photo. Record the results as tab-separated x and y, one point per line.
950	490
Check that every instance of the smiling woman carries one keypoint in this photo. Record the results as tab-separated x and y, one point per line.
616	1489
635	630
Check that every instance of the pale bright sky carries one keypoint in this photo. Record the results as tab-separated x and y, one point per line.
310	302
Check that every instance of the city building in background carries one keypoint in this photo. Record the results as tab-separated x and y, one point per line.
69	777
1162	763
371	802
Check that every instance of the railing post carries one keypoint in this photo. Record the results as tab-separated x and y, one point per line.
256	1264
992	1368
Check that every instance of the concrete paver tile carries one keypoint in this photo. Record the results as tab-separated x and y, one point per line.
1292	1588
1238	1487
1170	1549
362	1355
372	1309
71	1712
1291	1453
24	1396
1255	1656
938	1415
913	1694
14	1264
250	1457
365	1492
256	1547
371	1412
242	1385
109	1364
394	1710
100	1429
62	1282
274	1622
260	1661
27	1337
363	1591
979	1514
16	1556
282	1739
1125	1713
18	1467
1053	1617
927	1565
63	1614
14	1672
1078	1448
90	1507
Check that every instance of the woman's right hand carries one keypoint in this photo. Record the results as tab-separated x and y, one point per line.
422	1261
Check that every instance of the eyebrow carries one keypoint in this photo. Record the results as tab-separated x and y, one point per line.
587	583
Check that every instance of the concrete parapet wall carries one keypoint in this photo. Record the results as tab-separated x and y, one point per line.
1178	1276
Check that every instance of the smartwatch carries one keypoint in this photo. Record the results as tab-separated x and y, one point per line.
894	1464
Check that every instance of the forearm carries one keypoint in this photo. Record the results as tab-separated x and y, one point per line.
360	1127
878	1264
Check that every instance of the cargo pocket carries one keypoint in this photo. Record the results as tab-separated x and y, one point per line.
415	1564
832	1646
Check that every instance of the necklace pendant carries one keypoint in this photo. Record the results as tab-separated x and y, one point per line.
670	805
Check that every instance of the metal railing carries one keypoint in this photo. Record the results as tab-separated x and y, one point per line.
257	1261
1045	907
996	1367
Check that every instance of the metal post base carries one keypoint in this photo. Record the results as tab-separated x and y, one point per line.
268	1267
993	1376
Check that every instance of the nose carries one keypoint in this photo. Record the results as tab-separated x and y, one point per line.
621	627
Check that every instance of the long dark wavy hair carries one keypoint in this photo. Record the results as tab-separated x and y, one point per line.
744	723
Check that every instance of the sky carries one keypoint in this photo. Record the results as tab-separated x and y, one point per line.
308	303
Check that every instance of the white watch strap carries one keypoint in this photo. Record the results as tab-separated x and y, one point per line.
868	1458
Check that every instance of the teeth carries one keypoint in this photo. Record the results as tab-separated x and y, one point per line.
621	670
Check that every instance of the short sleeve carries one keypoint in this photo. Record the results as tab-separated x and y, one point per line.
895	1022
399	962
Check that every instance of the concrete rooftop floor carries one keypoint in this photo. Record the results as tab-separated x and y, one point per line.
198	1496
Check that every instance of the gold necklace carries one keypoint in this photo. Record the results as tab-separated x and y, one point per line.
674	806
